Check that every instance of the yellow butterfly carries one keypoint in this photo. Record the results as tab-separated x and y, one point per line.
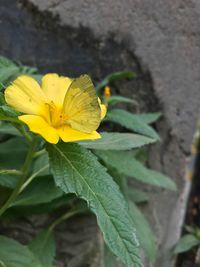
60	108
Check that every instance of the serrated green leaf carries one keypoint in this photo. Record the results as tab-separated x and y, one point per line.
115	76
127	165
5	62
186	243
44	248
131	122
109	258
148	118
40	190
76	170
118	141
13	254
137	196
115	99
7	74
144	231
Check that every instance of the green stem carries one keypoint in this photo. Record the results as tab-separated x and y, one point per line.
30	179
66	216
39	153
22	130
25	171
13	172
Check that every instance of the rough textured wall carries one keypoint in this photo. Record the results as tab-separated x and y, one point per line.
159	40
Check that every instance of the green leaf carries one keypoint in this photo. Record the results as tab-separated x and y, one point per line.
44	208
40	190
41	166
144	231
2	99
76	170
186	243
44	248
118	141
109	258
126	164
131	122
6	128
37	77
115	99
9	181
8	114
13	254
12	153
5	62
8	74
116	76
148	118
137	196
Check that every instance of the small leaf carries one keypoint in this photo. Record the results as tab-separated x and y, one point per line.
115	76
186	243
115	99
76	170
118	141
13	254
41	190
127	165
144	231
131	122
44	248
7	114
148	118
137	196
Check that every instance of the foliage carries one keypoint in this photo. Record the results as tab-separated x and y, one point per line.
189	241
39	177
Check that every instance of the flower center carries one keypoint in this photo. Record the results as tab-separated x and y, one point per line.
57	117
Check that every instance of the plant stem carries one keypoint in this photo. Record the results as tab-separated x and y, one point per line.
13	172
67	215
21	129
39	153
30	179
25	171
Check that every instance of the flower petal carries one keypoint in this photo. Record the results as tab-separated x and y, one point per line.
26	96
103	109
55	87
67	134
38	125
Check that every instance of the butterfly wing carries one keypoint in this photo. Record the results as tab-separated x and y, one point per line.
81	105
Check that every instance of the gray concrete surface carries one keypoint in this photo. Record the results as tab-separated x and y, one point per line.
160	40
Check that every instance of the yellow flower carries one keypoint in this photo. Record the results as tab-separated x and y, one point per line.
61	108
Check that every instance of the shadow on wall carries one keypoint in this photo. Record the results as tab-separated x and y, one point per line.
37	39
